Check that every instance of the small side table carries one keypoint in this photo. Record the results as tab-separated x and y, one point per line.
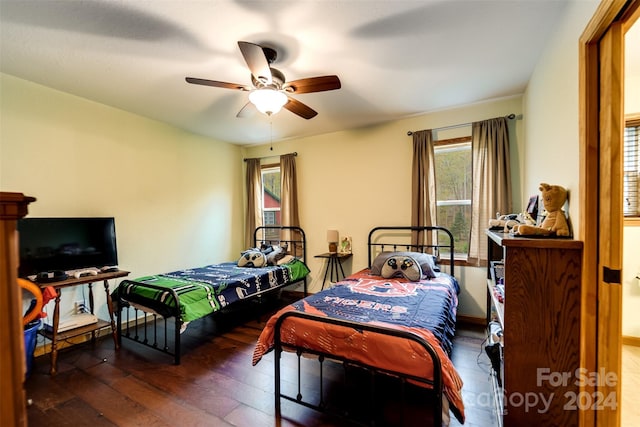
334	262
56	336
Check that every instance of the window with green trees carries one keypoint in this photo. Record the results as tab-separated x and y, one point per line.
453	190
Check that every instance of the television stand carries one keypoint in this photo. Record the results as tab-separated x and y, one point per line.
54	335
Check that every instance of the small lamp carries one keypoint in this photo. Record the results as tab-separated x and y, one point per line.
332	239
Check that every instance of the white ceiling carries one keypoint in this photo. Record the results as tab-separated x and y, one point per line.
395	58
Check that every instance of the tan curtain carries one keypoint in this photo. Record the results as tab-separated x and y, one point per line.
288	193
423	186
254	200
491	181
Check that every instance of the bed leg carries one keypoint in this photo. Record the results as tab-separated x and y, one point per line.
276	364
119	325
321	360
145	340
403	393
299	396
155	331
176	349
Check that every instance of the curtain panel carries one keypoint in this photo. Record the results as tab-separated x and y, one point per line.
254	200
491	191
288	193
423	186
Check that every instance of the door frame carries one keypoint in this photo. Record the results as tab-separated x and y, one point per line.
601	123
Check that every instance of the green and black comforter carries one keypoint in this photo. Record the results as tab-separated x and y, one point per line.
206	289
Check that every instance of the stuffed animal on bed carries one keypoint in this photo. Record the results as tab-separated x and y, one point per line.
402	266
265	255
553	198
273	253
252	258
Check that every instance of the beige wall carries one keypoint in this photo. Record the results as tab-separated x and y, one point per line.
176	197
551	106
354	180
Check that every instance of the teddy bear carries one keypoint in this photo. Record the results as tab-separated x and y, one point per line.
555	223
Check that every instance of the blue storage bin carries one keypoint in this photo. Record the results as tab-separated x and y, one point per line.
30	335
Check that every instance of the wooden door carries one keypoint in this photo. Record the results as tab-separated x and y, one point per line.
610	221
601	228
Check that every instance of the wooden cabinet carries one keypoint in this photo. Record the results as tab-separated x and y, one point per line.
13	412
541	328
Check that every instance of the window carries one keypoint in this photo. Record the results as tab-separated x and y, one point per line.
271	196
631	186
453	190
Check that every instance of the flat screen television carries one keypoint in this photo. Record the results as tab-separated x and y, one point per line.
48	244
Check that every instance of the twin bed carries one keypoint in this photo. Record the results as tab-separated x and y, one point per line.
389	327
187	295
393	320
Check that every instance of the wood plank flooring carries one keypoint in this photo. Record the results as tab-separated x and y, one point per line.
215	385
630	377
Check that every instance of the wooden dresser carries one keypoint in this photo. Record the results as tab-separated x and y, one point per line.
540	317
13	412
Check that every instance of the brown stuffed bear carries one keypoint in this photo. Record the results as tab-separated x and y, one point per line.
553	198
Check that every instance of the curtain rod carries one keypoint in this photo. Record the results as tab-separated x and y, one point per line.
509	116
295	153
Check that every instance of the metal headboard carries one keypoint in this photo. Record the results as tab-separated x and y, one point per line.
281	235
398	238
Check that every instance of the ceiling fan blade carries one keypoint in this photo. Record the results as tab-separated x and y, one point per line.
313	84
297	107
256	61
214	83
249	110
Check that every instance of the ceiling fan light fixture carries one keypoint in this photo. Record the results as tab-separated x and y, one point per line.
268	101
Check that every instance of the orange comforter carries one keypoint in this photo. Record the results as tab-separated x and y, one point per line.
393	303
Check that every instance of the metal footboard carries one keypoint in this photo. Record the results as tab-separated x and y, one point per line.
148	323
144	329
435	383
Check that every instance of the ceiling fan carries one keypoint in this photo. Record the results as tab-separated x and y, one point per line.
270	91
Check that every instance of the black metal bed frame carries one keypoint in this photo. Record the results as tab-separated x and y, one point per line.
375	245
144	329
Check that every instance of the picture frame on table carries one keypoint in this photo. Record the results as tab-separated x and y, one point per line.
345	245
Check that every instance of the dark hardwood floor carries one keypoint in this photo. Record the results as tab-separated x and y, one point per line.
215	385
